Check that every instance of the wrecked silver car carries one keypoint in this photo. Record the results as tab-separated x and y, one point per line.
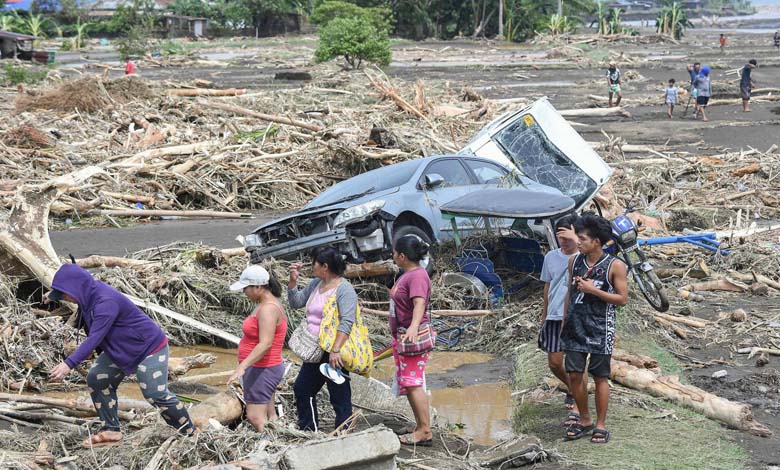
534	148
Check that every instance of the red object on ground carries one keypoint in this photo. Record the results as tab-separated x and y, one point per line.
722	41
129	68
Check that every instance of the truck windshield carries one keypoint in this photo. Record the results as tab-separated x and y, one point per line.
537	157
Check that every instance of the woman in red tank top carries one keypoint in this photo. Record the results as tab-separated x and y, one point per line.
260	350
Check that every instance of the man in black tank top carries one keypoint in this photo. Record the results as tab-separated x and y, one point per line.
597	284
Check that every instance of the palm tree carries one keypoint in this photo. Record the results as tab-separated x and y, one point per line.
10	21
672	21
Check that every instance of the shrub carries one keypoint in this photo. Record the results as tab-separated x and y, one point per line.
16	74
356	40
379	17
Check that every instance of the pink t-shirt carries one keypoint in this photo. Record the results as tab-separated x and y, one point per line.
314	308
411	284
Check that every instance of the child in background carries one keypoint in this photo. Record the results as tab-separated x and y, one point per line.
671	97
555	274
597	284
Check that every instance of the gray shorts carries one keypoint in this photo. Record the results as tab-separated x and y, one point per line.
260	383
745	92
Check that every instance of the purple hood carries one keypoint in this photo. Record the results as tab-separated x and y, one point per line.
112	322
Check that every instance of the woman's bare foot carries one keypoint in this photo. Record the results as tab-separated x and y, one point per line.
102	439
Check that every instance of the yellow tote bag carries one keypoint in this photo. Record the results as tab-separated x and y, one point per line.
356	352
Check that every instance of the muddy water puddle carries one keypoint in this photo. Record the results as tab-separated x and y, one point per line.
480	411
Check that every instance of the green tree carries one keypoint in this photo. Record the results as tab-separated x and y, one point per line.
379	17
35	25
354	39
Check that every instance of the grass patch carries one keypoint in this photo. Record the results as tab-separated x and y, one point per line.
631	337
640	439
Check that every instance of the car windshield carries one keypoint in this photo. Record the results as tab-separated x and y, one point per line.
541	161
369	182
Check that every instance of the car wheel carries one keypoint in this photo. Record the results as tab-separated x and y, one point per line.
428	261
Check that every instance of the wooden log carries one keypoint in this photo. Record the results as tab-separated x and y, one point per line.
81	405
186	149
684	320
182	365
224	408
170	213
680	272
98	261
682	334
594	112
746	170
379	268
734	414
636	360
755	278
148	200
717	285
756	350
184	319
206	92
263	117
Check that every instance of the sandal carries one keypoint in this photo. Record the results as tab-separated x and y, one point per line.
576	431
572	418
408	440
568	402
599	433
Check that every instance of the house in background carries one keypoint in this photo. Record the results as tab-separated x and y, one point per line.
180	25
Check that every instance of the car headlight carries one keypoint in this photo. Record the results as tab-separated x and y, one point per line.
253	240
358	213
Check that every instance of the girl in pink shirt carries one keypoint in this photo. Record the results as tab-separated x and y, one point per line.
410	297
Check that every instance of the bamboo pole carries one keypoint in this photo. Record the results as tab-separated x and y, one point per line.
170	213
263	117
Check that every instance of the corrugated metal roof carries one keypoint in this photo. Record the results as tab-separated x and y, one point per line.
17	36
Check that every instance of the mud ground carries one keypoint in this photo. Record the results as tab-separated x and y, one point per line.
507	71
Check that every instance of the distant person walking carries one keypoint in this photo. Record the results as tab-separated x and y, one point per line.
703	86
670	97
746	83
722	42
613	83
693	71
776	39
129	67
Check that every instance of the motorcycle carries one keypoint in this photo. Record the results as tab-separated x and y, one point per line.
625	246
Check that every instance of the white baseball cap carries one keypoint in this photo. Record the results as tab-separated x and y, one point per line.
252	276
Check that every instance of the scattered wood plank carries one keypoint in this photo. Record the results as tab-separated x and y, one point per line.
170	213
683	320
263	117
206	92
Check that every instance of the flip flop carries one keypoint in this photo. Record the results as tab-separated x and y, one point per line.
572	418
408	440
578	430
332	374
599	433
568	402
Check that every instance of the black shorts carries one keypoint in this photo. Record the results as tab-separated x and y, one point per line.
702	100
599	365
550	336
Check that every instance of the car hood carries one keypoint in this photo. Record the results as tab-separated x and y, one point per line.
304	213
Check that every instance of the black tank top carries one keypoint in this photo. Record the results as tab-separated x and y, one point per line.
590	322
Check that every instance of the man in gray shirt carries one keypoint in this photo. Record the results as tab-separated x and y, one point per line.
555	274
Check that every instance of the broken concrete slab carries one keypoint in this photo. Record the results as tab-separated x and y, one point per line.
372	394
372	449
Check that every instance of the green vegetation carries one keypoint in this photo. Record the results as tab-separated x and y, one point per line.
380	18
672	21
356	40
16	74
559	25
134	43
647	432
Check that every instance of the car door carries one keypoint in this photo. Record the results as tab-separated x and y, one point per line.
456	181
545	148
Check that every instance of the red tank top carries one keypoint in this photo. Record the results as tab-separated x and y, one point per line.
252	337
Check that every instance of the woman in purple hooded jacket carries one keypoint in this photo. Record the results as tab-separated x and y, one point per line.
129	342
